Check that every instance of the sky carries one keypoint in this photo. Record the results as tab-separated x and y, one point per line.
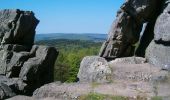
69	16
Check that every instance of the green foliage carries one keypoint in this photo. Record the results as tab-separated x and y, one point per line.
96	96
71	52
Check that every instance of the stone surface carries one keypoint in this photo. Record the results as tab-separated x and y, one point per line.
161	31
158	54
21	97
129	80
38	70
125	30
5	91
129	60
94	69
24	66
17	27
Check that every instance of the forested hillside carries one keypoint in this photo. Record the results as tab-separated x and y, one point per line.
70	56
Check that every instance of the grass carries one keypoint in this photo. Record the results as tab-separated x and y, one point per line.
156	98
96	96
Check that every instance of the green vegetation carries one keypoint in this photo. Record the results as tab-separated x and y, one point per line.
96	96
156	98
70	56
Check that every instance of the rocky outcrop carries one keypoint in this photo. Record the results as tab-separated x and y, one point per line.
14	26
94	69
126	29
158	51
23	65
146	21
128	79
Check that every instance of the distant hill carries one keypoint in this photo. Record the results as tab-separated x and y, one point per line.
72	36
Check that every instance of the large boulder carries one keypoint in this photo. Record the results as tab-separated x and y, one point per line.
158	54
125	30
94	69
38	70
17	27
23	65
162	25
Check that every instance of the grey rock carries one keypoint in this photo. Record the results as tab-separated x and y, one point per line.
161	31
5	91
129	60
23	65
33	70
166	67
15	48
125	30
22	97
158	54
17	85
94	69
17	27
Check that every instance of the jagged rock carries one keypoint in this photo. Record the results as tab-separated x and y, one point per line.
94	69
11	62
15	48
38	71
23	66
17	27
17	85
5	91
158	54
129	60
127	27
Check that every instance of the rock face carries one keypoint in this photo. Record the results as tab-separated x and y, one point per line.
94	69
126	29
23	65
129	80
14	26
146	21
158	51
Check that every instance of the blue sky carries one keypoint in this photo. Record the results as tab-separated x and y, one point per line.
69	16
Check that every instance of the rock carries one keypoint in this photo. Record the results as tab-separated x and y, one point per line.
137	72
166	67
11	62
94	69
158	54
21	97
125	30
24	66
15	48
17	27
129	60
76	91
59	91
5	91
162	29
17	85
34	68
